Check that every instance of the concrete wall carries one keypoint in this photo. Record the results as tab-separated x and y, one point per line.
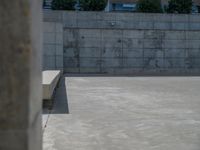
129	43
53	45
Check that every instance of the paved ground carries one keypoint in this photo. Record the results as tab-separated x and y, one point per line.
125	113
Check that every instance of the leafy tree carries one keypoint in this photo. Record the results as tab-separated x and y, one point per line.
149	6
63	4
180	6
92	5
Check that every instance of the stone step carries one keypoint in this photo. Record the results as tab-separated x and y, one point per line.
50	80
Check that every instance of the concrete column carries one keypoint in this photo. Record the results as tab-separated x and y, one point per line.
20	75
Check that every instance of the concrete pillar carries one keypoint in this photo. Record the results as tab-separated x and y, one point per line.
20	75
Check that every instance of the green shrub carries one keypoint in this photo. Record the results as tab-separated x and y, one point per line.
149	6
63	4
92	5
179	6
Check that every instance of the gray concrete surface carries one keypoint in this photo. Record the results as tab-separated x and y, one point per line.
124	113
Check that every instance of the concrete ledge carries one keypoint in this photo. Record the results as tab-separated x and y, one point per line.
50	79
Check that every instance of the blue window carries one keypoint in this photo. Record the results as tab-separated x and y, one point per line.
123	7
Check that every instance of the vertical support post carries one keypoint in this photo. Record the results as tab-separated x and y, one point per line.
20	74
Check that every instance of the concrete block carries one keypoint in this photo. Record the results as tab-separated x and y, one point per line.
90	33
164	18
113	52
192	63
59	38
175	53
49	27
69	15
49	62
89	24
70	44
174	63
162	25
192	35
84	15
174	44
89	42
153	53
133	63
133	52
153	43
59	28
90	62
156	35
111	42
132	43
154	63
175	35
90	52
105	24
111	16
50	80
70	34
59	50
193	53
143	17
112	62
180	18
49	49
90	70
145	25
194	26
179	26
111	34
194	18
125	17
71	70
52	16
59	61
192	44
109	70
135	34
49	38
71	52
71	62
69	19
126	24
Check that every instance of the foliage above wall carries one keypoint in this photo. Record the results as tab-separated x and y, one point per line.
63	4
179	6
92	5
149	6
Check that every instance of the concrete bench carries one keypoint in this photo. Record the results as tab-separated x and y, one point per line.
50	80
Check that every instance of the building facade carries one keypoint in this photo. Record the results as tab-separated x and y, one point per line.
130	5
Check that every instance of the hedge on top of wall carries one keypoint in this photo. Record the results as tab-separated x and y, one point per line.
179	6
63	4
149	6
92	5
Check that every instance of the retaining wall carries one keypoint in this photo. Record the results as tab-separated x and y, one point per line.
122	43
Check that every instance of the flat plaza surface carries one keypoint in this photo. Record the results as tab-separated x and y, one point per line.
124	113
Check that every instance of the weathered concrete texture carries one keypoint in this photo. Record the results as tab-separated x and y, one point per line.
131	51
126	43
125	113
20	75
53	46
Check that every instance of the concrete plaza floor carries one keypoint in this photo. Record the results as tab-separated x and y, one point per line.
124	113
